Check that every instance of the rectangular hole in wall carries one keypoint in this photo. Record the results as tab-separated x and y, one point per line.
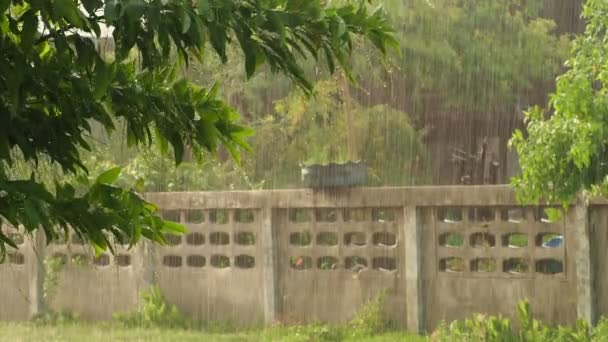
482	214
171	215
454	240
244	216
244	261
513	215
384	214
516	265
326	215
355	214
195	216
483	265
218	216
300	238
450	214
122	260
300	262
299	215
16	258
355	239
386	264
452	264
549	266
327	263
172	261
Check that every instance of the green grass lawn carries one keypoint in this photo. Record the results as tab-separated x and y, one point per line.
88	332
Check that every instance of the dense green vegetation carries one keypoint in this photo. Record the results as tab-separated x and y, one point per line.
56	86
478	59
567	152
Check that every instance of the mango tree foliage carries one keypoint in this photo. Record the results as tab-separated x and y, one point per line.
55	84
567	152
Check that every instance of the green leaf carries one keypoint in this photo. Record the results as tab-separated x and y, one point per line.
204	9
102	79
174	227
186	21
67	9
4	5
92	5
109	177
29	30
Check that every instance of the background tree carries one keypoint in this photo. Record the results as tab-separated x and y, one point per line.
55	84
567	152
463	63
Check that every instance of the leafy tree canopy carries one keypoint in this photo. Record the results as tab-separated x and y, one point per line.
55	84
568	151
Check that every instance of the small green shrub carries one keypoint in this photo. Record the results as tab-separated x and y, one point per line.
154	311
51	317
499	329
370	319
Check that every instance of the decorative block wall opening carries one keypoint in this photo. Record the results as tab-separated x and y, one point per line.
450	214
355	239
219	238
299	215
513	215
549	240
516	265
300	262
482	214
452	264
60	258
196	261
218	216
327	263
244	261
327	239
384	239
244	216
195	239
549	266
172	261
102	260
453	240
355	214
170	215
326	215
244	238
384	264
173	240
122	260
383	214
515	240
483	265
355	263
482	239
300	238
220	261
195	216
16	258
80	259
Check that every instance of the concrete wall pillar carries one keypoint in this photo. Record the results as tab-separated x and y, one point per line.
586	305
35	263
268	265
412	270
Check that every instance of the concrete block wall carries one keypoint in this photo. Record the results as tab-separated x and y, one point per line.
295	256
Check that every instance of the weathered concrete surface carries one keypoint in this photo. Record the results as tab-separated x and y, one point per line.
242	262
